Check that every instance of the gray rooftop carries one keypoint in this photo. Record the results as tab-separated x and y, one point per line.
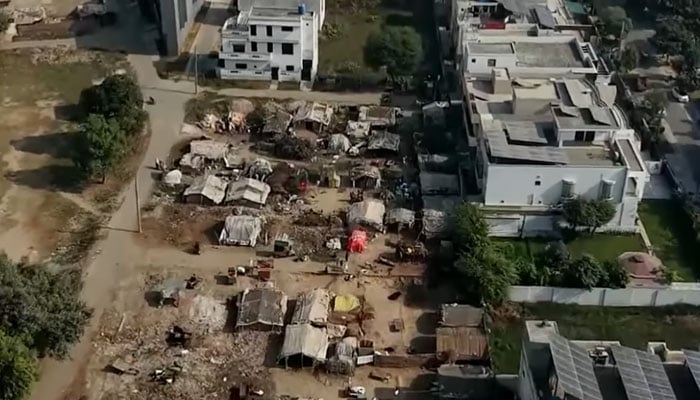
592	117
491	48
643	374
547	54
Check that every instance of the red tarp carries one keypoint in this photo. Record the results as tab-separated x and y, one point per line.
357	241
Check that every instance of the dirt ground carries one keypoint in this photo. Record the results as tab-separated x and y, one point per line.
54	8
41	210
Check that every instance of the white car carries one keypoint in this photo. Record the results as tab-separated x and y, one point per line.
680	95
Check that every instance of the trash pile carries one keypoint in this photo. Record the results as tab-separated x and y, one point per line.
292	148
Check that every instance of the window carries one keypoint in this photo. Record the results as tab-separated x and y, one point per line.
241	66
287	29
269	30
473	60
590	135
253	46
290	68
538	182
269	47
579	135
491	62
287	48
606	192
239	48
253	30
567	188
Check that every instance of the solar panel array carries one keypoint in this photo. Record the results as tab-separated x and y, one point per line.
643	374
500	148
693	360
574	369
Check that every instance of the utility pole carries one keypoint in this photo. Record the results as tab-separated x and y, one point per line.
196	70
138	203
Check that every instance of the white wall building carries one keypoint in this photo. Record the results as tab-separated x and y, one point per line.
544	129
272	40
176	18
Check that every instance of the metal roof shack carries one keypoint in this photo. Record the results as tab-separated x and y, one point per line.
369	212
312	308
378	116
357	129
437	211
461	315
313	116
249	191
210	149
261	309
241	230
384	141
402	216
206	189
461	344
304	345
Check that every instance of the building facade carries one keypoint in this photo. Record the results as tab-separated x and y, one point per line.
277	42
176	18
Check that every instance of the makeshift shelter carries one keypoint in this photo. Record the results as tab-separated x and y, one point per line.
345	303
437	163
369	213
209	149
313	116
259	169
344	357
432	183
304	345
357	241
277	122
207	189
461	344
401	216
366	177
434	113
437	215
241	230
247	191
339	143
357	129
173	177
261	309
378	116
312	308
384	141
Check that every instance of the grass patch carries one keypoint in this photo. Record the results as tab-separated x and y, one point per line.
53	74
671	234
604	246
679	327
344	40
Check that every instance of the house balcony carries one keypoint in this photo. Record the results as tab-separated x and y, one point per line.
244	56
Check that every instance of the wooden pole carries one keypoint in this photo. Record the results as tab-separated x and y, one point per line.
138	203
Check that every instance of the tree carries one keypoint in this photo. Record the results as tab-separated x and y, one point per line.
551	262
41	307
18	368
485	279
118	97
613	275
4	21
471	230
584	272
100	145
629	58
615	21
396	47
672	37
602	212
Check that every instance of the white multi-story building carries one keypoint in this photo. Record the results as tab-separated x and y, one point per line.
272	40
544	128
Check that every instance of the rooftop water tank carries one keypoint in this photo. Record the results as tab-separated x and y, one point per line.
302	9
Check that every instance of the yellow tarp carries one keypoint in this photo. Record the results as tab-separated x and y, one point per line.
345	303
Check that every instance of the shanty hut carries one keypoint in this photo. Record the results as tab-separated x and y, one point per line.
240	230
312	308
437	215
313	116
261	309
339	143
357	129
247	191
401	217
366	177
432	183
277	122
369	213
344	357
378	116
384	141
260	169
206	151
304	345
207	189
460	336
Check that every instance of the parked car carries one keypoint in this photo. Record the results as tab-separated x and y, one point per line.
680	95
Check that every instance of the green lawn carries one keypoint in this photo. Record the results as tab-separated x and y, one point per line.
347	44
672	235
679	327
604	246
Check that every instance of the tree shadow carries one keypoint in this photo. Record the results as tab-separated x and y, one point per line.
64	178
427	322
67	112
56	145
423	344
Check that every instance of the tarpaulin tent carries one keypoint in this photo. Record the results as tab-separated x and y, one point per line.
345	303
357	241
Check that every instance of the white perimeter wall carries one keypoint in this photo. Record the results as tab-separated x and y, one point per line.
628	297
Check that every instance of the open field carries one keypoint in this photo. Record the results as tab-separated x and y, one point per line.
671	235
42	209
679	327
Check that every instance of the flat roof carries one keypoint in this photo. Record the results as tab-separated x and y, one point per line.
592	117
589	155
491	48
548	54
628	153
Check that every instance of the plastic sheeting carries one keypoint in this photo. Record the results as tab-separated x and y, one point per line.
345	303
358	241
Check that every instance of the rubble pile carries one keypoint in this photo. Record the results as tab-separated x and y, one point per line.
232	122
292	148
